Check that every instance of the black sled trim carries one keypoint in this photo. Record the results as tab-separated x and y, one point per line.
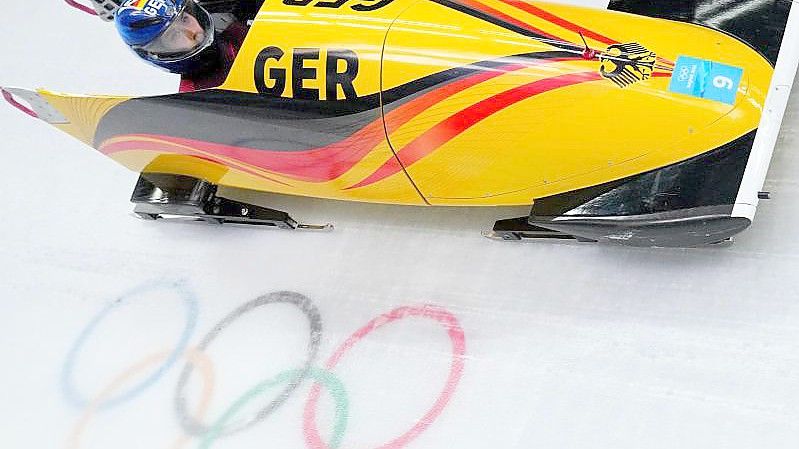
687	204
761	24
710	179
685	228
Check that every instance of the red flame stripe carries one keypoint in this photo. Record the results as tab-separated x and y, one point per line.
402	115
571	26
324	163
458	123
549	17
165	144
502	16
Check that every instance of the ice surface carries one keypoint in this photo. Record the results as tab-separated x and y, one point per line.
422	333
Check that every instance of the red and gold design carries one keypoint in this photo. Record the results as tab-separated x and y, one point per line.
459	102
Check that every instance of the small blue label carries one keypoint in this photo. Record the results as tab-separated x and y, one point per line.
706	79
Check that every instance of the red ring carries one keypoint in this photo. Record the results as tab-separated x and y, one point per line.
456	335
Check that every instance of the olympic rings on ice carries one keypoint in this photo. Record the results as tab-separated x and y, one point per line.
456	335
195	358
71	392
193	423
331	383
194	427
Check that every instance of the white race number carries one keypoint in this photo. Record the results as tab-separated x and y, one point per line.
722	82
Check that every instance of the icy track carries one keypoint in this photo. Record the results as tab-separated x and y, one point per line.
120	333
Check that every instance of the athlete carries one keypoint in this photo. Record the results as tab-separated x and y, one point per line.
196	39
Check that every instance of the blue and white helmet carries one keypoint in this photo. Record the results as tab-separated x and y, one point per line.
147	25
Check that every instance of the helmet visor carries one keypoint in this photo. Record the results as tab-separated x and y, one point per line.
189	33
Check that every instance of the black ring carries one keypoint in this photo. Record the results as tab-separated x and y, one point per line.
193	427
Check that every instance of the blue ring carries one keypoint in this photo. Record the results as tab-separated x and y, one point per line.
72	394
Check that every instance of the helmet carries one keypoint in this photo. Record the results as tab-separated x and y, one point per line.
172	34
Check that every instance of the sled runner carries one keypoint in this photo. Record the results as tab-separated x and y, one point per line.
615	126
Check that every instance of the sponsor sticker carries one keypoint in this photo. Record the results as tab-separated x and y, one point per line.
706	79
152	7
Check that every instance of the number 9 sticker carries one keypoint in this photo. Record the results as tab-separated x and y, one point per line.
706	79
722	82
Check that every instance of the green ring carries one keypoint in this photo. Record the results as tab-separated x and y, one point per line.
329	380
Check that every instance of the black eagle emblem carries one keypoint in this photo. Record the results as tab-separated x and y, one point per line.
627	64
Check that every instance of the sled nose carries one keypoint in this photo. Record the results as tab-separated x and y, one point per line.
76	115
34	105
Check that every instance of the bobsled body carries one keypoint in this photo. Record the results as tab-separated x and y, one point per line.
458	103
433	101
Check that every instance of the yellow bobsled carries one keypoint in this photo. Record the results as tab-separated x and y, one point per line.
614	126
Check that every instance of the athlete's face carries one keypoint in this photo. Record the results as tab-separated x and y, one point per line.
185	34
